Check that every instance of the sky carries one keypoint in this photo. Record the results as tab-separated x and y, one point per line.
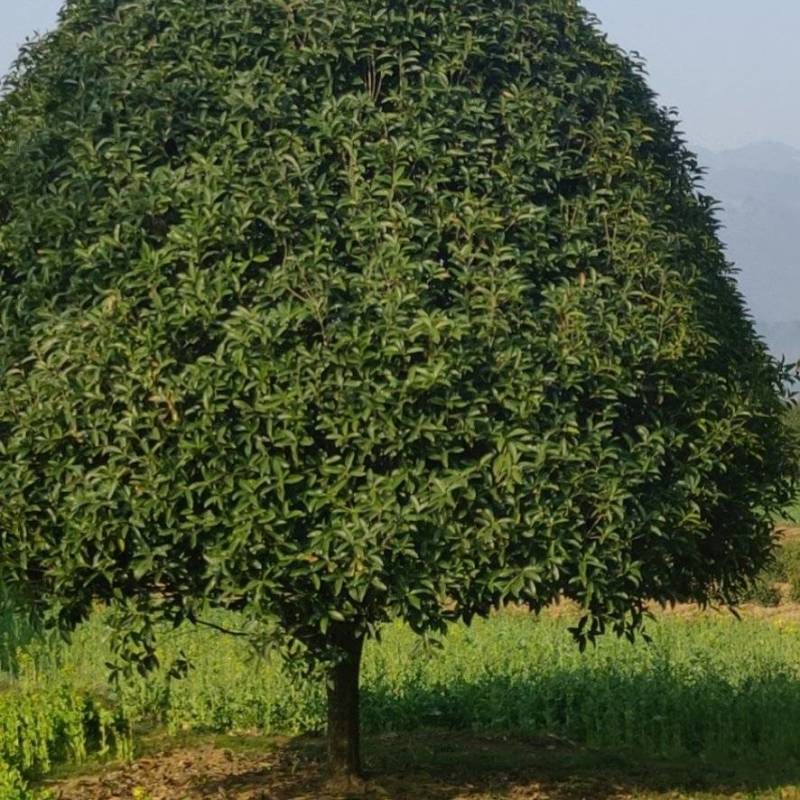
731	67
18	20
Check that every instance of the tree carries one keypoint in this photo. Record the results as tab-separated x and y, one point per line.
341	311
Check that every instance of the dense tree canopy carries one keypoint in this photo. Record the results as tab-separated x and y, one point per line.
339	311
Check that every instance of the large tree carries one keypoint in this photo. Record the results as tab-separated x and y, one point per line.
334	312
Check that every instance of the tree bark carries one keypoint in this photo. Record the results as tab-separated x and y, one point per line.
344	739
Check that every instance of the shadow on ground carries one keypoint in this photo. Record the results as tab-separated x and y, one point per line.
429	765
445	765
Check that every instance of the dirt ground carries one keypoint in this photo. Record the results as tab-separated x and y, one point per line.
423	766
279	771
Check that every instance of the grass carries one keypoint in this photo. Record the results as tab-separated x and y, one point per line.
791	514
711	685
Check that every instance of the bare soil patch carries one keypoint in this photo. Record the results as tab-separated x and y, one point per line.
210	771
429	766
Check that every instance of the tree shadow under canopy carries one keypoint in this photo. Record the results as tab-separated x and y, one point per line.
459	760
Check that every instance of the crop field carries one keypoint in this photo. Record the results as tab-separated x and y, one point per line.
791	515
510	697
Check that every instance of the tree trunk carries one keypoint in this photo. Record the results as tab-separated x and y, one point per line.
344	741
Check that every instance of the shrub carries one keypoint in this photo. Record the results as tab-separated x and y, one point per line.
40	726
763	592
13	787
787	560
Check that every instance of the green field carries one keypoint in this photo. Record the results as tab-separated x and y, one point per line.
791	515
709	691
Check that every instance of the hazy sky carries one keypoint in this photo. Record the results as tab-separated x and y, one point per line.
732	67
19	19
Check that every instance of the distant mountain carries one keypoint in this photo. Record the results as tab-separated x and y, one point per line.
758	187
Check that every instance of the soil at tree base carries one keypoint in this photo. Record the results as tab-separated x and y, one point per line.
439	765
206	771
